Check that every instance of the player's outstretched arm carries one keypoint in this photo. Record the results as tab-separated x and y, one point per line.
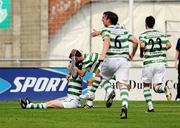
95	33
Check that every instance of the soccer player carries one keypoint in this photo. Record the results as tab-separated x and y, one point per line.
74	91
153	47
115	56
90	62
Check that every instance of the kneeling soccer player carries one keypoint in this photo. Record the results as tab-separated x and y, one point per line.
73	96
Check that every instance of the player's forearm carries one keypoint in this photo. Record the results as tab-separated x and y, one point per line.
95	33
135	46
142	47
69	68
80	72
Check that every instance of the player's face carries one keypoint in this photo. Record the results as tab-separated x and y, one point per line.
105	20
146	26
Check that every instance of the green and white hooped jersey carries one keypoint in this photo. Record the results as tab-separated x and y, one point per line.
75	88
155	47
119	41
91	62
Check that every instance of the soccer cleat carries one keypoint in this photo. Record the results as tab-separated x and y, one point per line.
23	103
168	93
110	99
123	114
87	96
87	106
27	101
150	110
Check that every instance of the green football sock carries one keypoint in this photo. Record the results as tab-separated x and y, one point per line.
148	97
95	85
124	93
159	88
36	106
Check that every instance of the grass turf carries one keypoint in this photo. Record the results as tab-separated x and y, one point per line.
166	115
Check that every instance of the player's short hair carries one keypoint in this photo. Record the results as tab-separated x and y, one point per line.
75	52
150	21
112	17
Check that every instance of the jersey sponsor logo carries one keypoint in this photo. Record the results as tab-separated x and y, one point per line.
5	85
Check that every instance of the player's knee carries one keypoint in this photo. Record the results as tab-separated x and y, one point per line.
122	85
97	73
89	81
147	85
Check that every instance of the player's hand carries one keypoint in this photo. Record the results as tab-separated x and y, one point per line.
95	33
73	52
69	66
68	76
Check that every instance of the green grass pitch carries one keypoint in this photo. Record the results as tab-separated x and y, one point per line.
166	115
